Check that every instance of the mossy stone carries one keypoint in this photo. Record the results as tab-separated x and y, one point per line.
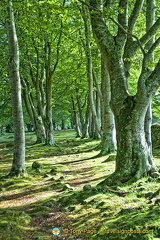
36	165
87	187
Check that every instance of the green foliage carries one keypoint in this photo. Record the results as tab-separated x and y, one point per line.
13	223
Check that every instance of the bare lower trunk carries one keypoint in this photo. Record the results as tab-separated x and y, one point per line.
40	131
34	117
89	69
150	19
48	120
108	142
18	165
134	159
147	127
49	133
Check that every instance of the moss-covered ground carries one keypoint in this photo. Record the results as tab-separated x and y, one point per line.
52	196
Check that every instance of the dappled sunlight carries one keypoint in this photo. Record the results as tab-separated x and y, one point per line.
55	195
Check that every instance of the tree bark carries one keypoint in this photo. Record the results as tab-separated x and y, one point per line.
48	116
36	119
150	19
76	120
108	142
18	165
89	68
133	157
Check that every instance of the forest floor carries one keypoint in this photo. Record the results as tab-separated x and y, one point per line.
54	196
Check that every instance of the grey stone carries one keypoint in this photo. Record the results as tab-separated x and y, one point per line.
141	183
68	187
155	174
148	194
61	177
38	170
53	171
48	204
46	175
87	187
71	208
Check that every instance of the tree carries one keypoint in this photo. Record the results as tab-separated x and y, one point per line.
108	142
41	53
150	19
18	165
118	47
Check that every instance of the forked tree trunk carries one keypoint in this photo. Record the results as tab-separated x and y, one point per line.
133	159
36	119
18	165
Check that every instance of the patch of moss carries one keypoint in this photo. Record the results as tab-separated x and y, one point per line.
13	223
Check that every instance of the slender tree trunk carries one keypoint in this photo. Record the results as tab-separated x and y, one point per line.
108	142
18	165
87	120
81	117
150	19
76	120
48	119
63	124
36	119
48	116
89	68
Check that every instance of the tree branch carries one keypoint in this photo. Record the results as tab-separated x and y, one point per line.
129	34
58	50
101	31
148	55
153	81
123	21
152	31
134	15
153	47
123	11
89	6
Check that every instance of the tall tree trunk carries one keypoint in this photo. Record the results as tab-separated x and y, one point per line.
150	19
108	142
89	68
18	165
48	116
76	120
81	117
36	119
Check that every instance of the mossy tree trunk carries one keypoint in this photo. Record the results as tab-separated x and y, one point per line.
133	156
